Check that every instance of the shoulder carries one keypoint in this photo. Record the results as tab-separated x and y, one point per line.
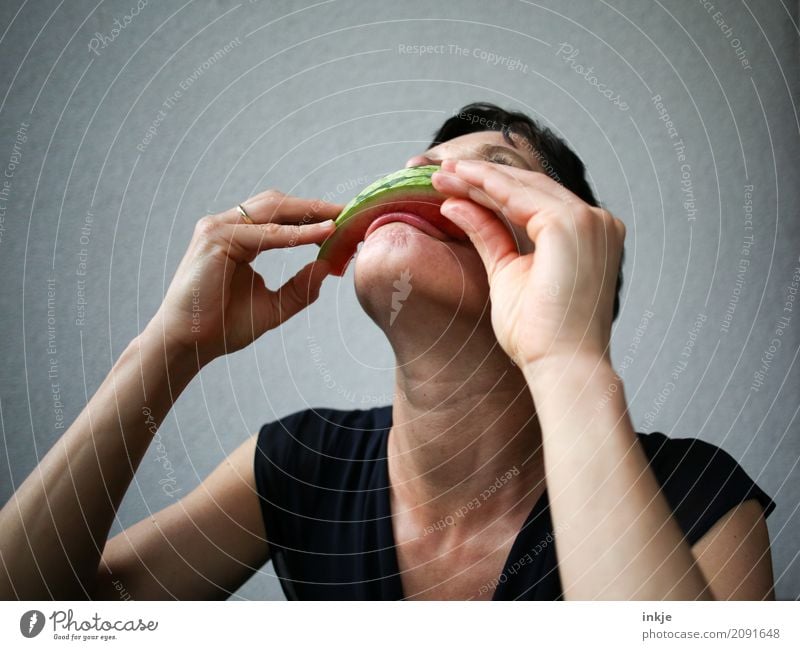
701	481
309	443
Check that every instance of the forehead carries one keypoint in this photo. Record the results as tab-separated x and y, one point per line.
471	143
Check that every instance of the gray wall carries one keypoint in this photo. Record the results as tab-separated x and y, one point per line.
319	98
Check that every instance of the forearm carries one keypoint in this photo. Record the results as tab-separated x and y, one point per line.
615	534
54	528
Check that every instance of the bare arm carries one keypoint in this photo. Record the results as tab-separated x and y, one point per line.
616	536
204	546
734	555
53	530
552	304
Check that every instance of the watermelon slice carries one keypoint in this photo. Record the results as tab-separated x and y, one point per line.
407	191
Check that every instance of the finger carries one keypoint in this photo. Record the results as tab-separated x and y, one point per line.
245	242
522	192
538	179
450	184
302	289
518	198
492	239
273	206
542	193
455	187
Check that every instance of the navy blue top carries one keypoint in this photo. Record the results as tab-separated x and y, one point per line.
323	484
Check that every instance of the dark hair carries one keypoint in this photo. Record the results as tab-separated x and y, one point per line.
559	161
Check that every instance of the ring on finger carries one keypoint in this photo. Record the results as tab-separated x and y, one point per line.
243	213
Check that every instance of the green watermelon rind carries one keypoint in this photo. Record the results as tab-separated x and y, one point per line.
416	177
410	178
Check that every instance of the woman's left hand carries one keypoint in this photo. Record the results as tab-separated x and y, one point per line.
555	302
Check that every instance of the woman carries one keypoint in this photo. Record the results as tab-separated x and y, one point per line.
508	441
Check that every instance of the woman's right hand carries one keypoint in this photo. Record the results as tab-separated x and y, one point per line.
217	303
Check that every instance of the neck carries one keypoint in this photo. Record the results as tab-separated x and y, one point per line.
464	427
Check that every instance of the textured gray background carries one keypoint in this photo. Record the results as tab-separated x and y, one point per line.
320	98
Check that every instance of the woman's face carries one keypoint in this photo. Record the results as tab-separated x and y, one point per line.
399	260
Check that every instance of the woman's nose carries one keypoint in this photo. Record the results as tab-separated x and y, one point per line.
419	160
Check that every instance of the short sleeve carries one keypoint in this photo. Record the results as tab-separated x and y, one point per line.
273	463
321	488
701	481
305	459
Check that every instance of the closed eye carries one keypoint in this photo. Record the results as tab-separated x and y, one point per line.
503	156
488	152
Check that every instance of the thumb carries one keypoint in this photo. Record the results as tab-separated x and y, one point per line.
487	232
302	289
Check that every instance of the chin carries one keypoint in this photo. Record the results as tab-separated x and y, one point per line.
401	265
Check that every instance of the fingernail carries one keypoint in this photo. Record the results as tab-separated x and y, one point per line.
448	206
440	177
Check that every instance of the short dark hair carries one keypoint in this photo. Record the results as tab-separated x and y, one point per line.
554	155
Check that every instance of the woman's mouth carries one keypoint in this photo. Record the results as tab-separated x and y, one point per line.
411	219
405	196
